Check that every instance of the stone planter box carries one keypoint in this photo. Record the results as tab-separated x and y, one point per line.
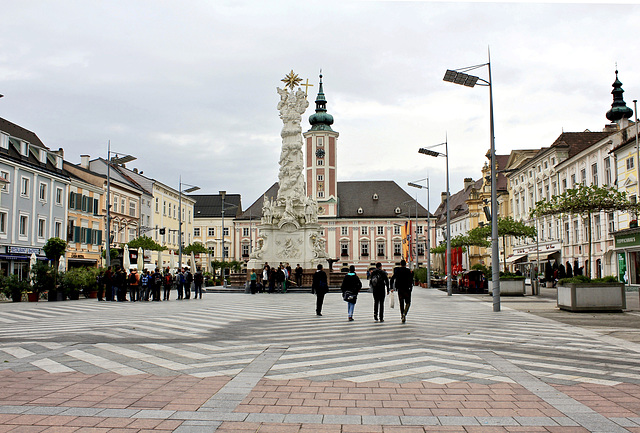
608	297
509	287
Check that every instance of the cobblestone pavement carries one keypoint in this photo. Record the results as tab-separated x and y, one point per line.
267	363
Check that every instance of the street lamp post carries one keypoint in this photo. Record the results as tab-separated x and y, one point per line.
115	160
429	152
222	195
415	184
461	77
191	188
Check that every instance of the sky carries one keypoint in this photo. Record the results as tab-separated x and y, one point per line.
189	87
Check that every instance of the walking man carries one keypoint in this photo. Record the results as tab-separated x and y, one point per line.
188	279
379	283
402	280
198	280
320	287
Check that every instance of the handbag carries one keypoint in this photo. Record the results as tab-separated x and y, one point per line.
350	297
392	297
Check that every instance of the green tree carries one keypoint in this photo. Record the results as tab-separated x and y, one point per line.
195	248
54	248
585	200
146	243
506	227
114	254
43	276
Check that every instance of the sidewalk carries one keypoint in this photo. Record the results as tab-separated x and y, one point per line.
455	366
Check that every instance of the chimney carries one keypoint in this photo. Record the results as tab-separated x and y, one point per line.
468	182
84	161
443	197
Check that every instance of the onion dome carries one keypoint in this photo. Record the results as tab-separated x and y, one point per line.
321	120
619	109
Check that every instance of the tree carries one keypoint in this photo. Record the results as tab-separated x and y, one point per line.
195	248
146	243
54	248
584	200
506	227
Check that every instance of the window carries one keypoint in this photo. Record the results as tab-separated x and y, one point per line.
157	204
320	162
573	181
542	231
115	202
576	231
211	231
245	250
380	248
630	163
396	230
550	230
132	208
320	177
546	191
320	194
42	192
226	232
594	174
421	248
546	165
397	248
607	171
42	224
596	225
123	205
380	230
364	230
24	191
212	251
58	195
245	231
4	141
164	208
320	142
196	232
344	231
24	225
419	230
566	231
226	251
5	175
612	222
132	234
3	223
564	185
583	176
344	249
58	229
175	213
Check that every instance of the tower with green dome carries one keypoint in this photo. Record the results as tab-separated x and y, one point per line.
321	158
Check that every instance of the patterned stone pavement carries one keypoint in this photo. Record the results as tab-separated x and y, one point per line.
235	362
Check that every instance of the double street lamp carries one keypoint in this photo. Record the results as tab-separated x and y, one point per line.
115	160
415	184
461	77
428	151
191	188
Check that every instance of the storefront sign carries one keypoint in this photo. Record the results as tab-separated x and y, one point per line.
629	240
23	250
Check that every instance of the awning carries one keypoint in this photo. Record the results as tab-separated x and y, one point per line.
516	257
17	257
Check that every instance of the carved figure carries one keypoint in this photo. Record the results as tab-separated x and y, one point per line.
267	212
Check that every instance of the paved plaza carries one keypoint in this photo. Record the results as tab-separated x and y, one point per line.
233	362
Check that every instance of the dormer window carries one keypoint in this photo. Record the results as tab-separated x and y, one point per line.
24	148
397	210
4	141
43	156
375	196
360	211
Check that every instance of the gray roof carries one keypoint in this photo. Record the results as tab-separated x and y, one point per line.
210	205
458	205
354	195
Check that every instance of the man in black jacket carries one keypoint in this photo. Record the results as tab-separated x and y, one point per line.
320	287
379	281
402	281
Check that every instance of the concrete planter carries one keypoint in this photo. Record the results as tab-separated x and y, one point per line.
609	297
509	287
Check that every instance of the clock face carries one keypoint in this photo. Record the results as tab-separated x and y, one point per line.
320	153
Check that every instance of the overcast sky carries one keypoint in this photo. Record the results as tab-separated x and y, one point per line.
189	87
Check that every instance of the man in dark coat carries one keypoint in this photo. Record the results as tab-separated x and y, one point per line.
402	281
379	283
320	287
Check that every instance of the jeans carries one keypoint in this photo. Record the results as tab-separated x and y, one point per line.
180	287
378	303
197	290
167	292
404	296
319	302
350	307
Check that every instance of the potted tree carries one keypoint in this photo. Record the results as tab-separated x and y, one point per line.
582	293
13	287
53	249
43	278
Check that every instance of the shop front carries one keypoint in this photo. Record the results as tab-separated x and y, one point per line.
627	250
15	260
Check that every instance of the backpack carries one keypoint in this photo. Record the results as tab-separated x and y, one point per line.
157	279
145	280
132	278
376	280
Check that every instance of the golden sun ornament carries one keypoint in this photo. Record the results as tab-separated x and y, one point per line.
291	80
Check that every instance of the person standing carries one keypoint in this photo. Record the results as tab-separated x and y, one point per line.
188	279
265	277
350	287
180	280
121	284
144	285
280	278
298	274
134	285
167	283
402	280
108	283
156	284
254	280
198	280
320	287
100	283
273	274
379	283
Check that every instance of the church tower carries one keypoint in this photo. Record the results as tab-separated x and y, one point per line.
321	158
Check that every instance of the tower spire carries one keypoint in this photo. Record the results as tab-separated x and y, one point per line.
619	109
321	120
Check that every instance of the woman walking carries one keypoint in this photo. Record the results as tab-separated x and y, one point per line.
351	286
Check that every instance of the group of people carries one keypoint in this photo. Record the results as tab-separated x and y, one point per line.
275	279
115	284
381	285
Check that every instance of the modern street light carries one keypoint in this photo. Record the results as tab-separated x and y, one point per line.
191	188
429	152
115	160
428	252
461	77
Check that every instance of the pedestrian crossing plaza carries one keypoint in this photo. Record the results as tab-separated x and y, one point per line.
442	341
